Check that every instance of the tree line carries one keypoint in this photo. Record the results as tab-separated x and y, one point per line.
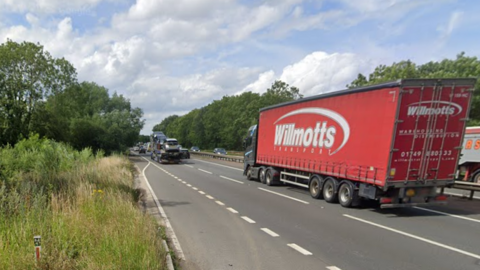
40	94
224	123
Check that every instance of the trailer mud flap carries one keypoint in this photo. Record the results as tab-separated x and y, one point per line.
367	191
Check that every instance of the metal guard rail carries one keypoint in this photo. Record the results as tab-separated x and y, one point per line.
216	156
472	187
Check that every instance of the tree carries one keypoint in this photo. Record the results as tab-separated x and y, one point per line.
162	126
28	75
224	122
461	67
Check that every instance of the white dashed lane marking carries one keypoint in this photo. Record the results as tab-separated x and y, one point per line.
249	220
230	179
205	171
270	232
299	249
232	210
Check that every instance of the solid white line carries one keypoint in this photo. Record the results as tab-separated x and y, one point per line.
201	192
205	171
194	188
219	202
230	179
333	268
248	219
210	197
271	233
189	166
299	249
417	237
220	165
169	228
232	210
447	214
279	194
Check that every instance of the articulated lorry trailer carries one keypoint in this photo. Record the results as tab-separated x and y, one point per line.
396	143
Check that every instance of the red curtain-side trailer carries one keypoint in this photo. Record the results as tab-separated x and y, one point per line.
396	142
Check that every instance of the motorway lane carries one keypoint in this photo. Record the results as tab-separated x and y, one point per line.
332	236
213	237
337	239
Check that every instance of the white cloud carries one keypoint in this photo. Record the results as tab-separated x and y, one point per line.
453	23
133	53
263	82
46	7
317	73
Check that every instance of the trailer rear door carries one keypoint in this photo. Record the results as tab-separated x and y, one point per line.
429	130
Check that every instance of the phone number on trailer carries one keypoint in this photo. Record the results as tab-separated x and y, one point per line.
429	153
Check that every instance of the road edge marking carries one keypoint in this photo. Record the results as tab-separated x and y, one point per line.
173	236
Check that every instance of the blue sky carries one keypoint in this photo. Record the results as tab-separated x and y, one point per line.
191	52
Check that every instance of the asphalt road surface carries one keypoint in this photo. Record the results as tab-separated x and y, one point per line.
223	221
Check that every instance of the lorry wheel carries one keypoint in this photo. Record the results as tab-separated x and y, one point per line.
329	187
249	173
476	178
347	195
315	188
269	178
261	174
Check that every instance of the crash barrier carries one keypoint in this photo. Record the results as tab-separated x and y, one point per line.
472	187
238	159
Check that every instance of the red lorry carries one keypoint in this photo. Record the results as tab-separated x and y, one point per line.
395	142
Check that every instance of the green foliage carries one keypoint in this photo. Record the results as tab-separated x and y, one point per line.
40	94
224	123
461	67
83	206
162	126
28	75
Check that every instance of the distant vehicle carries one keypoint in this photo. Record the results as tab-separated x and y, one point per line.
195	149
164	149
142	149
184	153
136	148
219	151
396	143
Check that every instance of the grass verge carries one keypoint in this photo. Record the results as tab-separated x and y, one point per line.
82	205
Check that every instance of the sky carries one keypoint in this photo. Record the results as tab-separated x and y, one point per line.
172	56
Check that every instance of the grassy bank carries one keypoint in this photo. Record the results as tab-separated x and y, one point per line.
83	206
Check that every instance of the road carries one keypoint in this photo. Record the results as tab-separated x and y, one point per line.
223	221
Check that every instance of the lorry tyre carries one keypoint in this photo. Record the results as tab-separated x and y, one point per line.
329	190
315	187
261	174
249	173
269	177
476	178
347	195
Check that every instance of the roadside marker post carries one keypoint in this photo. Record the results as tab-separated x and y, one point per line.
38	246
